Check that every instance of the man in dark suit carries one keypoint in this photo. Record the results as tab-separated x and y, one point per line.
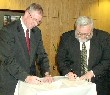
97	54
17	62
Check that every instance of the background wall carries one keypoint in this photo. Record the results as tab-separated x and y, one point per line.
59	17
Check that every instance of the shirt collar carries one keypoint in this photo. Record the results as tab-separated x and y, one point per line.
24	27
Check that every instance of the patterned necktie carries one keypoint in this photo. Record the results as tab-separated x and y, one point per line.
84	67
28	40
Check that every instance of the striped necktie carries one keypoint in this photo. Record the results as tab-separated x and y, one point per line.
84	67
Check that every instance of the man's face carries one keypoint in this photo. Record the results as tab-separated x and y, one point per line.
34	19
84	33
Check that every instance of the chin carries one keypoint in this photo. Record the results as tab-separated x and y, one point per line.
83	40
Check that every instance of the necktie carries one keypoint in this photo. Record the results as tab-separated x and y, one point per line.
84	67
28	40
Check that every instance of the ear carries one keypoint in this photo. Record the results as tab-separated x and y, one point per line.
26	14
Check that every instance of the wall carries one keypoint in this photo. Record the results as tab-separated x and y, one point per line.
59	17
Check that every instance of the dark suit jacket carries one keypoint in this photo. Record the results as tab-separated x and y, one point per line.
69	54
16	64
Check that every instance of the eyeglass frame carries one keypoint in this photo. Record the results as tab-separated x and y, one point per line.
38	22
85	34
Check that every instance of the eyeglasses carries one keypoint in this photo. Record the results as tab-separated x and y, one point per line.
38	22
83	34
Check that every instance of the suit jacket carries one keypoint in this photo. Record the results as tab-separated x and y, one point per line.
69	53
16	64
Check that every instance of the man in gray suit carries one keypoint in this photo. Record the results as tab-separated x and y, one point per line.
16	62
97	44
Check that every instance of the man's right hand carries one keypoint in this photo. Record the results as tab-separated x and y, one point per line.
71	76
33	80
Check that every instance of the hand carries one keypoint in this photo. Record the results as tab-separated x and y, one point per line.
71	76
48	78
87	76
33	80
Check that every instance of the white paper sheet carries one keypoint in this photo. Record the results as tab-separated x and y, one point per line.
61	86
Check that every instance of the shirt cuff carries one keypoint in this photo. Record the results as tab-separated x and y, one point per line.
93	73
47	74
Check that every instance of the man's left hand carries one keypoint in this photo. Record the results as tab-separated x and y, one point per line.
48	78
87	76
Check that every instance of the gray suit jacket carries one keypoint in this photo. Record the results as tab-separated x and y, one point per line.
16	64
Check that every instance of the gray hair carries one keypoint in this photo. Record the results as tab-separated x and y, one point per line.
83	21
35	7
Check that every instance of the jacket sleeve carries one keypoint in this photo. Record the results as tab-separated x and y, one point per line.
43	60
62	56
104	63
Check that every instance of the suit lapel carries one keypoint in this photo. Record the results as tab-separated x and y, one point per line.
21	40
78	53
91	53
33	44
93	50
75	48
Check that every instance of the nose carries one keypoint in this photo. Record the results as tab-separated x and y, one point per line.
83	36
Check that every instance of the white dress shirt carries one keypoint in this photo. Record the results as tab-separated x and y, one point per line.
24	27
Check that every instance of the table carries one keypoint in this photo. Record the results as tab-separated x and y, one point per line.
61	86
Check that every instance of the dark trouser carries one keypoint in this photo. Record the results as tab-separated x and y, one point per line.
101	85
109	82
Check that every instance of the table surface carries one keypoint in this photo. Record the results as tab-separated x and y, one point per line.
61	86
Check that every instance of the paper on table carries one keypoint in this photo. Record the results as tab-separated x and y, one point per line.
61	82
